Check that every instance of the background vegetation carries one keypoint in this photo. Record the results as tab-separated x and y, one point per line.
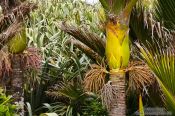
59	65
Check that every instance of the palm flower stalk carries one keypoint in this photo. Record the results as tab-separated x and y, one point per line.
117	50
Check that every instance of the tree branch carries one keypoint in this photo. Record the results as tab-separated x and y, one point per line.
85	49
88	38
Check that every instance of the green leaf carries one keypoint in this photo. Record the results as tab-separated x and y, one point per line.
113	6
161	61
165	12
3	108
141	108
105	4
29	109
8	114
48	114
170	100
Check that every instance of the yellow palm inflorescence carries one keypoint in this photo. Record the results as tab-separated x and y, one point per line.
117	45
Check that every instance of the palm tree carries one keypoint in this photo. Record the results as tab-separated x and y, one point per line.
13	34
117	49
119	16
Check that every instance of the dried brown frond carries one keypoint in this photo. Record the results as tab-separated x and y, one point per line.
8	5
108	94
88	51
88	38
140	76
5	65
19	13
95	78
32	58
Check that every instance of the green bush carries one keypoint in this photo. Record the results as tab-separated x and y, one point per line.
6	107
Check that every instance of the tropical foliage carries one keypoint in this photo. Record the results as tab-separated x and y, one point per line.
76	50
6	107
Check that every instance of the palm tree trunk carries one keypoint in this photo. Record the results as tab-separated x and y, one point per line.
118	107
17	83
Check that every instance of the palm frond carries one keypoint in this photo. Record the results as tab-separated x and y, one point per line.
161	60
129	7
147	30
85	49
113	6
88	38
164	12
168	97
139	24
66	90
162	63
